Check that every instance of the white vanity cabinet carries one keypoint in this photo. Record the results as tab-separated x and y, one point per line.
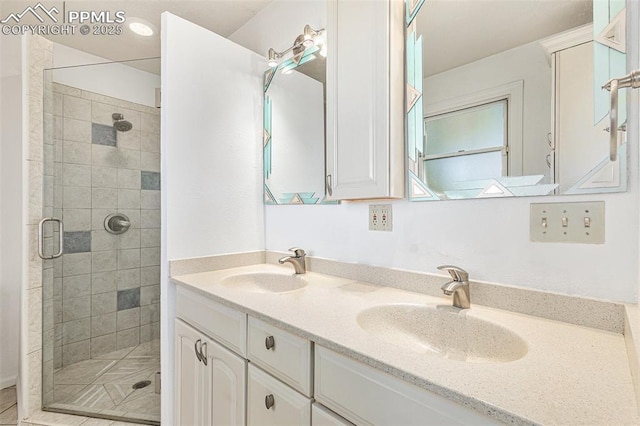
271	402
367	396
282	354
321	416
280	376
234	369
365	93
210	380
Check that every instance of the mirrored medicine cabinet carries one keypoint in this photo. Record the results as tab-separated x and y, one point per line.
294	129
505	98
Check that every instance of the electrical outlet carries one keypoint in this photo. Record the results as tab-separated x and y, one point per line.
380	217
567	223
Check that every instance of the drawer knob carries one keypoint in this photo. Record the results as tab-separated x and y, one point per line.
269	342
269	401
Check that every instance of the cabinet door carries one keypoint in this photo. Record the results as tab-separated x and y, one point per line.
367	396
321	416
228	378
271	402
193	381
365	121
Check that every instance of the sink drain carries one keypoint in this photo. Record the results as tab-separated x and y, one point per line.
141	384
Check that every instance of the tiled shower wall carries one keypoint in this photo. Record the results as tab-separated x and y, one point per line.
106	287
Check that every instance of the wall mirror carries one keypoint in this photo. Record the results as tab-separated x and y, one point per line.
505	98
294	128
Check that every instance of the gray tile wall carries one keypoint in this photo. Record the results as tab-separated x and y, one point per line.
106	288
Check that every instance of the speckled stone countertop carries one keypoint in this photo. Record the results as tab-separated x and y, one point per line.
569	375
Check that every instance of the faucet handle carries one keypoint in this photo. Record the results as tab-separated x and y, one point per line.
457	273
298	251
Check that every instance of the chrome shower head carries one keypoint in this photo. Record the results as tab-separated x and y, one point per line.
120	123
123	125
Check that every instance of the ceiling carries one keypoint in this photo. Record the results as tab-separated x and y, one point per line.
457	32
221	16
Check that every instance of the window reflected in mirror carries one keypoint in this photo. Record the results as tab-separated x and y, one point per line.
503	101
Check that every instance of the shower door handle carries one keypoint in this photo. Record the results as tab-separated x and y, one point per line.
41	238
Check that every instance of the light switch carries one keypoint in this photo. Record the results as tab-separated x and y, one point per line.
567	223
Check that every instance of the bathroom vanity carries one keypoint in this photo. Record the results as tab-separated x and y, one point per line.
284	348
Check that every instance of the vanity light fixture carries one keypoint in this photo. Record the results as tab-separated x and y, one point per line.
308	38
141	27
272	56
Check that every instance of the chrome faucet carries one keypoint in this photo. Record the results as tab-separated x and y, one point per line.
297	261
459	287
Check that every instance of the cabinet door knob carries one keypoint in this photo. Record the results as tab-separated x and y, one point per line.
197	349
269	342
269	401
329	185
203	353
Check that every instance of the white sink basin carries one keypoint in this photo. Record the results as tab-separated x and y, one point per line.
265	282
443	330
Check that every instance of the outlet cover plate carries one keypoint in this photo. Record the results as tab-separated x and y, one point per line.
380	217
581	223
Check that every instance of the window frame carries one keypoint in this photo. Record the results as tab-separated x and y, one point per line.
513	94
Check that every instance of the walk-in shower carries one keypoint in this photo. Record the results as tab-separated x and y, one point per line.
101	297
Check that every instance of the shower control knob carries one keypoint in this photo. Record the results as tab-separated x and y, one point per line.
117	223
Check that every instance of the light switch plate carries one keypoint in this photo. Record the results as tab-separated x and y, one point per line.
581	223
380	217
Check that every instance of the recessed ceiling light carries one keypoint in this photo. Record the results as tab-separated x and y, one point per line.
141	27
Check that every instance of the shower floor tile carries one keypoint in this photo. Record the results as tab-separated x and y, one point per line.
105	385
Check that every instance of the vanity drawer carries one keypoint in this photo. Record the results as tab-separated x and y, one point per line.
286	356
367	396
322	416
224	324
271	402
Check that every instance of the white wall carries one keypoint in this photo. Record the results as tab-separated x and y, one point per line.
527	63
117	80
211	157
10	207
490	238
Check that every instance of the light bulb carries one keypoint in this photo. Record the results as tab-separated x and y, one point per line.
271	56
